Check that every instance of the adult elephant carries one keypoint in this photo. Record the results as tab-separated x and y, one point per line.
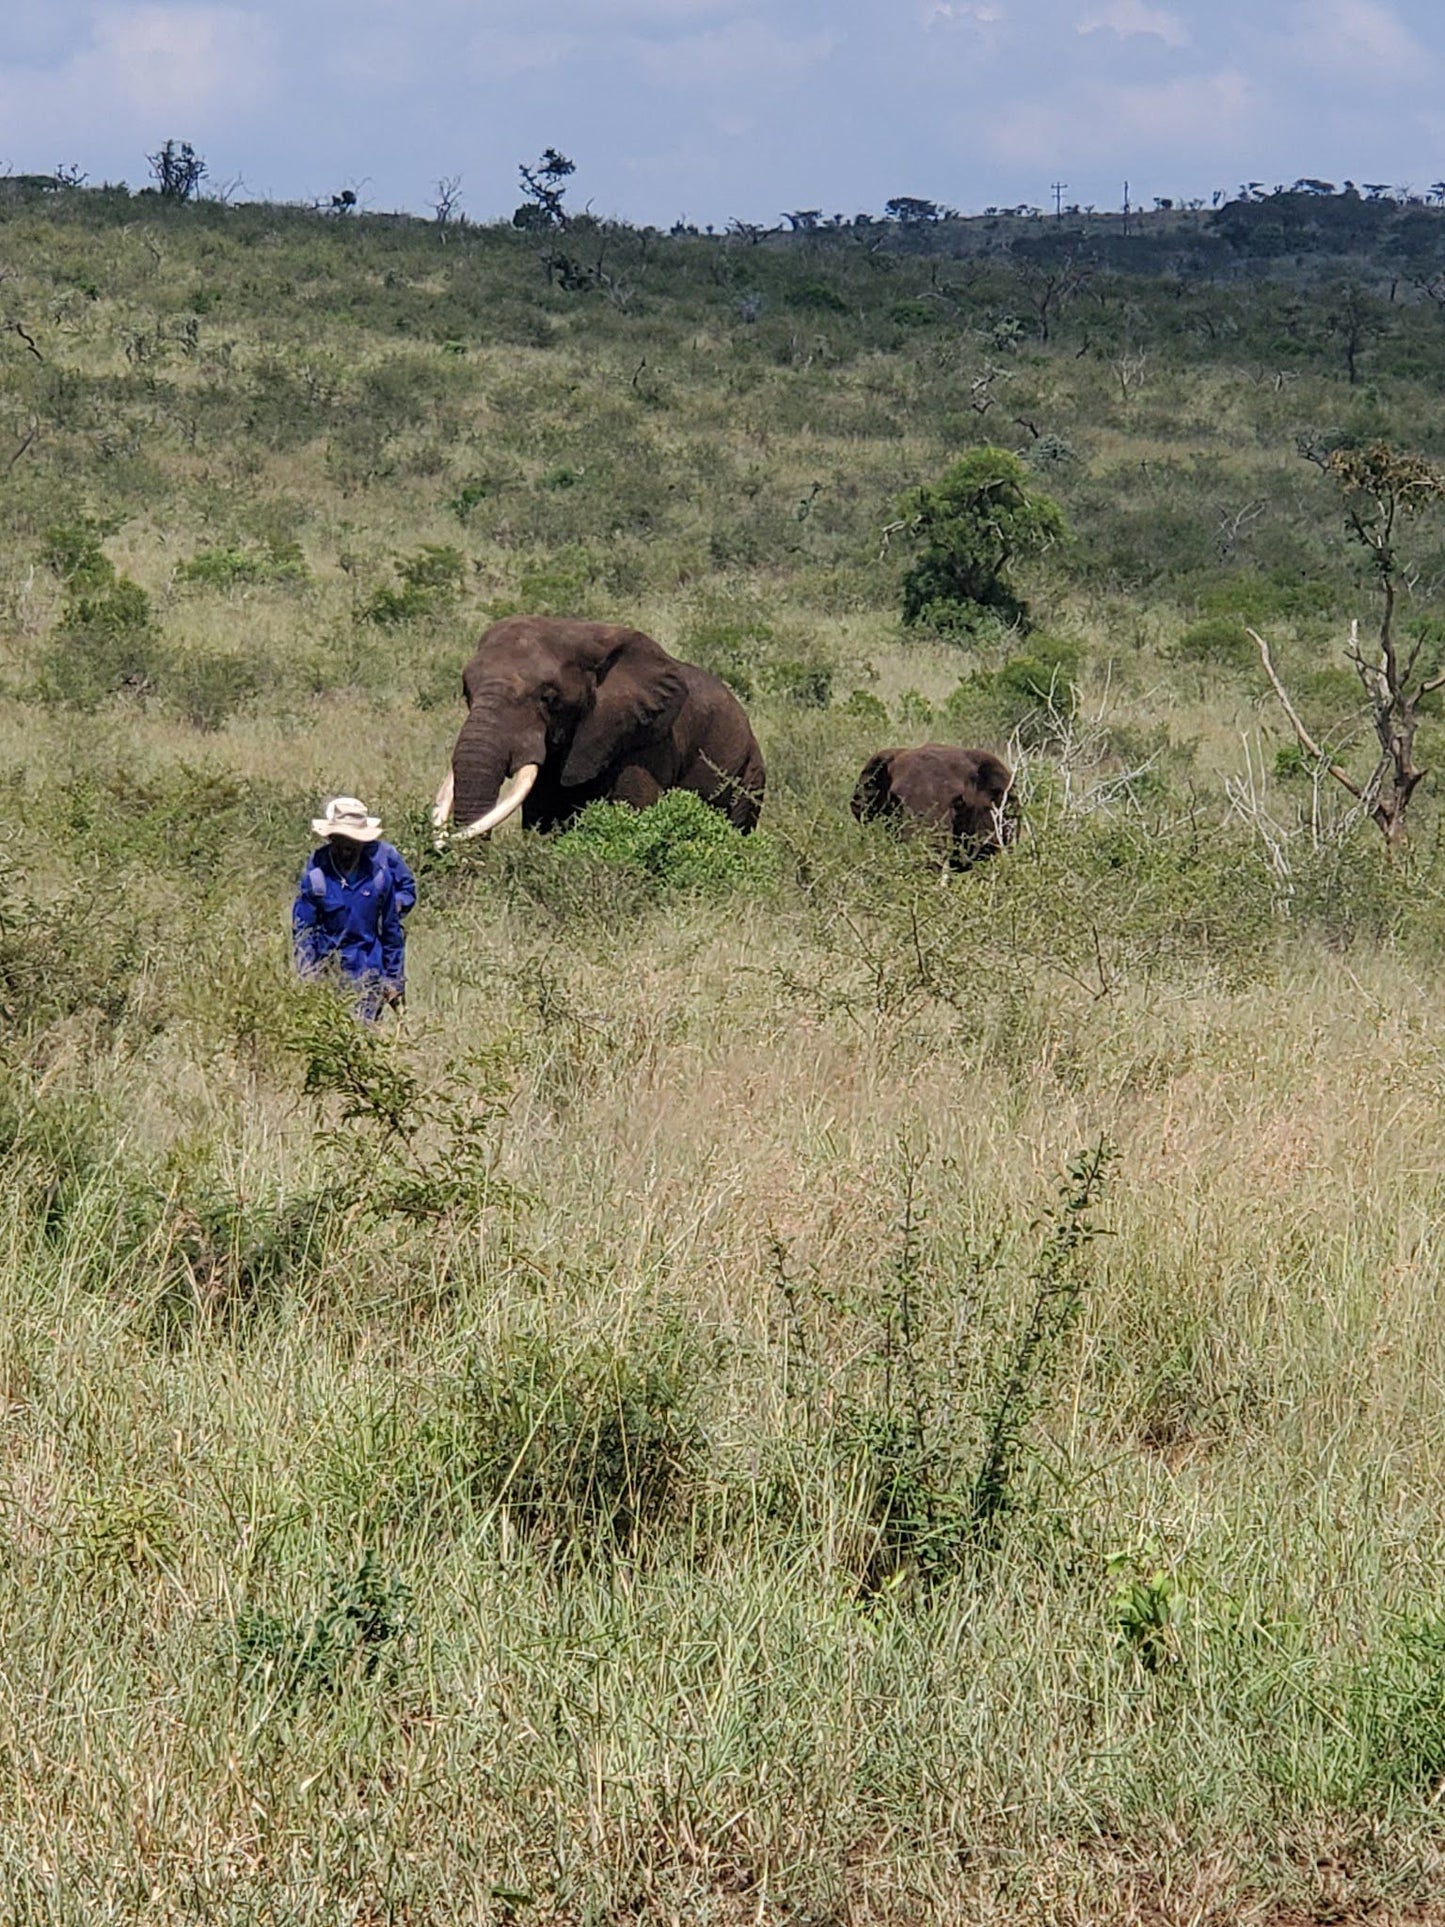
561	713
961	799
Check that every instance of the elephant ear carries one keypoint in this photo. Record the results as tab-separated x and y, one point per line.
870	797
640	690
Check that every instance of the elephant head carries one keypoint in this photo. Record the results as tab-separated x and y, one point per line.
963	798
563	702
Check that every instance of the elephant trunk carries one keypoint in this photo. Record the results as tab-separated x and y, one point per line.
514	794
486	756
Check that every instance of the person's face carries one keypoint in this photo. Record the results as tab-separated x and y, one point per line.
347	852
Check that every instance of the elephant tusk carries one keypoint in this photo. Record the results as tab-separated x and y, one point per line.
507	804
441	810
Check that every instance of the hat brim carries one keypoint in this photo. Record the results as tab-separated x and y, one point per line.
353	832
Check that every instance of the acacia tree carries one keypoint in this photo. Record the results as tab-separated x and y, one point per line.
970	527
1354	318
912	210
544	185
1381	488
178	170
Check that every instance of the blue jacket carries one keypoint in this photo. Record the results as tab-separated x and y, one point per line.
356	919
400	875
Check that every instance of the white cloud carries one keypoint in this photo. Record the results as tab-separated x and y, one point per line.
161	69
1130	17
502	56
954	13
1357	40
162	61
1096	123
741	51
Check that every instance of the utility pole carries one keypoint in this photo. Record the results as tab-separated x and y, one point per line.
1126	207
1059	187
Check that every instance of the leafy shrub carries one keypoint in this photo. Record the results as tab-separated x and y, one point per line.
936	1464
431	579
1258	599
1023	689
733	644
480	488
818	298
806	684
351	1636
1051	452
1041	679
680	844
1330	696
208	687
389	608
1145	1609
229	568
435	567
106	645
183	819
1219	642
915	314
121	609
915	711
596	1450
865	707
970	528
562	584
72	552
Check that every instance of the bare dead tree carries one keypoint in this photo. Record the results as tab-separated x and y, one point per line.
11	324
27	440
1234	522
980	390
1129	372
1381	488
447	205
1049	287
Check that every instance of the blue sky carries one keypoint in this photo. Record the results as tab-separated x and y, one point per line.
706	109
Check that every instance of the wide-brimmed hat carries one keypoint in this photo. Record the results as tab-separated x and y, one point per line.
346	816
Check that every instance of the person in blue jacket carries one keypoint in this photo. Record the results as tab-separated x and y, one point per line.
349	906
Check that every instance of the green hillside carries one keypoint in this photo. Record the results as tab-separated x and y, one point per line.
787	1388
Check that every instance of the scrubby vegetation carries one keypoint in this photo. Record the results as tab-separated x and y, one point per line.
783	1389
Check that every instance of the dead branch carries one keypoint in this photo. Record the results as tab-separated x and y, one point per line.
18	328
1306	742
26	441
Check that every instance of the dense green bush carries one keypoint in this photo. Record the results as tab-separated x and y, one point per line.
1025	689
229	568
355	1634
970	529
593	1447
1219	642
106	644
430	580
679	844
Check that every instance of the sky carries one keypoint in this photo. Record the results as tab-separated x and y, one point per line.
708	110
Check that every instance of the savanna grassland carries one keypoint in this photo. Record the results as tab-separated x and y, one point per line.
787	1389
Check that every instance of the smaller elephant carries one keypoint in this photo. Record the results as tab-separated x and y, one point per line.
960	798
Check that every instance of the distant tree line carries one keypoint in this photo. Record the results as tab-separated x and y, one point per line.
1309	215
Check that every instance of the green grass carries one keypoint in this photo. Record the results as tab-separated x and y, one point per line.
634	1442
